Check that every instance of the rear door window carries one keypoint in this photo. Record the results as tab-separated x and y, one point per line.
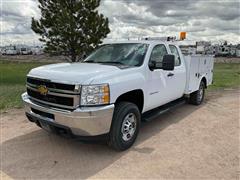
175	52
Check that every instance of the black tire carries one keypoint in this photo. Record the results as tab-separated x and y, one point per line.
122	112
197	97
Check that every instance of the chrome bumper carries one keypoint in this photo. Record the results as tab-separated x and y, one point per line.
84	121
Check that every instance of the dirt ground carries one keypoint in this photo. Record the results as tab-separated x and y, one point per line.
186	143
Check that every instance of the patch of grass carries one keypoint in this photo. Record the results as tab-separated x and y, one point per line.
13	77
10	96
226	76
12	82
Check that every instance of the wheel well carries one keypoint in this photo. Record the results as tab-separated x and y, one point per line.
135	96
205	81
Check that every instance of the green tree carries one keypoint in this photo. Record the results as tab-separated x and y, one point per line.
70	27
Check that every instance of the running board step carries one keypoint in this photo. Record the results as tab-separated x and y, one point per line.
153	114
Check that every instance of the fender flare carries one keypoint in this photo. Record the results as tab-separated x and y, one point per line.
204	79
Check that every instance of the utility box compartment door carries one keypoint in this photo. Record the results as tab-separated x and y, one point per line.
206	68
198	66
192	64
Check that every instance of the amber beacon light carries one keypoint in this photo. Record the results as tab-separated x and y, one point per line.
183	35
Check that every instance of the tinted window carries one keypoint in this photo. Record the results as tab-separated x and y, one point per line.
174	51
157	54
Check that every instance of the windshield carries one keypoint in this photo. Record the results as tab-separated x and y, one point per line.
129	54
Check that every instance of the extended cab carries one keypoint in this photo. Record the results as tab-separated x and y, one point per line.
114	88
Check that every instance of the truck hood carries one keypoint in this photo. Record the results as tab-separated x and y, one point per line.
73	73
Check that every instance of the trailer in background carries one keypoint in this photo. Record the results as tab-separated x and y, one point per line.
10	50
25	50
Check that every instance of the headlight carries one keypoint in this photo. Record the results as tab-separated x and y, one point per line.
95	95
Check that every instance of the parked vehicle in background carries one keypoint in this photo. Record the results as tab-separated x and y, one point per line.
114	89
25	50
2	51
11	50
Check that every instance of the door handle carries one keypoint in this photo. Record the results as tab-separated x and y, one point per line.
170	74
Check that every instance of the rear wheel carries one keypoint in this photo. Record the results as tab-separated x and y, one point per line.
125	126
197	97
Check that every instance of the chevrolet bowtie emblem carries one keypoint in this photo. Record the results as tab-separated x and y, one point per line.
43	90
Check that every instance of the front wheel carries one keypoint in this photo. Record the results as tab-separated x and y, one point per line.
197	97
125	126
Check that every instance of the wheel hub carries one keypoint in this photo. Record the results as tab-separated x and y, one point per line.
128	126
200	93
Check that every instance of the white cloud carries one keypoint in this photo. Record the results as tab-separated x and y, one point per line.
203	20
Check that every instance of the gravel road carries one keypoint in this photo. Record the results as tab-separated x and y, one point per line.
189	142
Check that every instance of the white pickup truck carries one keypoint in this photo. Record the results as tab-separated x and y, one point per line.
114	88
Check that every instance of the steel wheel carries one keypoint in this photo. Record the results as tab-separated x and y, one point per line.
125	126
197	97
201	92
128	126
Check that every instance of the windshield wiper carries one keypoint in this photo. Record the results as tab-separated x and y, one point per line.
111	62
89	61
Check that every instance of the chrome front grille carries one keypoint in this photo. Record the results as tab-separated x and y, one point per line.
59	95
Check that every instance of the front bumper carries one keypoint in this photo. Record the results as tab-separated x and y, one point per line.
84	121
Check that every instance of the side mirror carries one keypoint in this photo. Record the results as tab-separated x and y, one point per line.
168	62
152	65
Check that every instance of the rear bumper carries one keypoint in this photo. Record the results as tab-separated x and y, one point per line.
85	121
